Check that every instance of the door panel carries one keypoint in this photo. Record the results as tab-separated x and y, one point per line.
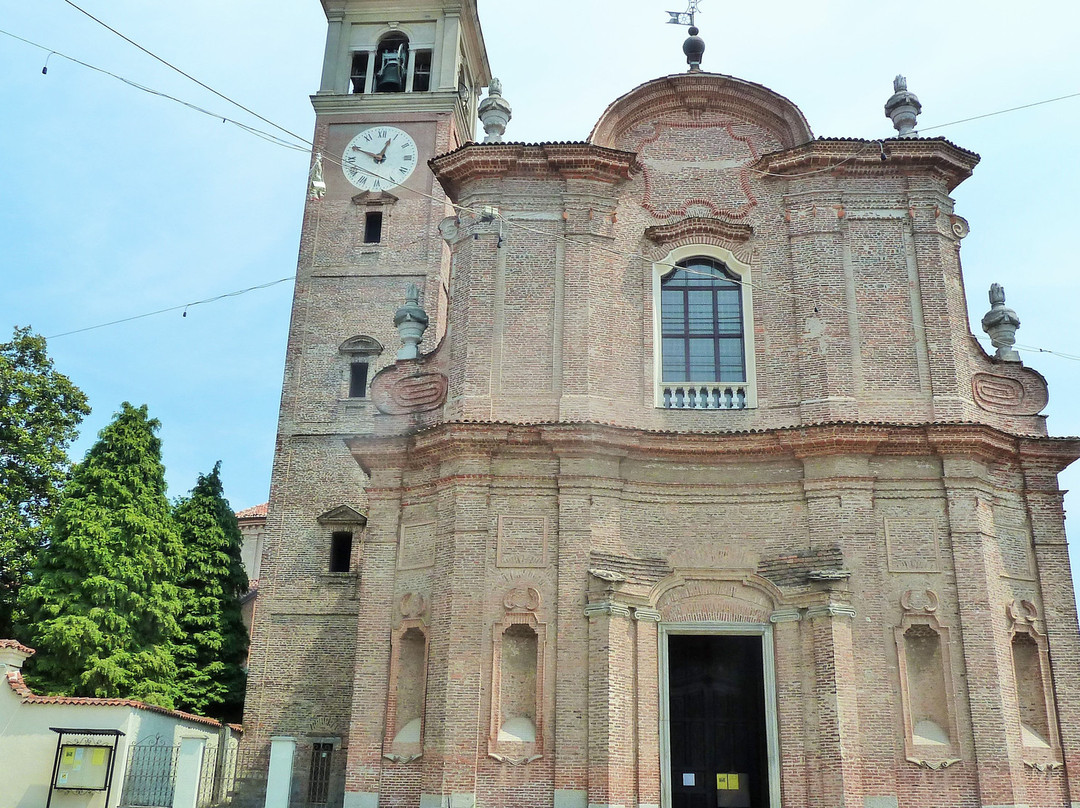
717	720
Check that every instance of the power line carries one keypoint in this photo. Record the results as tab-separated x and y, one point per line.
188	76
246	127
999	112
184	306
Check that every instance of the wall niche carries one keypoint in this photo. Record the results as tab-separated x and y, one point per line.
517	673
926	691
1031	673
408	682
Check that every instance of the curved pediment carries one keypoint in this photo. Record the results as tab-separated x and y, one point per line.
696	95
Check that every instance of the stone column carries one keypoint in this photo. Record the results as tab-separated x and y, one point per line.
647	712
189	764
279	777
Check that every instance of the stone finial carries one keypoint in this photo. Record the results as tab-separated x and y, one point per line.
694	48
494	112
903	107
1001	324
411	321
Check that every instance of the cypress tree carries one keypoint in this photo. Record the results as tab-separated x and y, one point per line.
104	599
40	410
213	646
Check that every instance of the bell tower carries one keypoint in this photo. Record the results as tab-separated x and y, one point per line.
399	86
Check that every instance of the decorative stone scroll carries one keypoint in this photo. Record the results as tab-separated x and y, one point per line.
1021	394
401	390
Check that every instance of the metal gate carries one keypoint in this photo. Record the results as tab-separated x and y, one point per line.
150	778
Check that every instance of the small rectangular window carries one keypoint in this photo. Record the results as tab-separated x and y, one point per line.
373	227
421	81
340	551
358	380
358	76
319	781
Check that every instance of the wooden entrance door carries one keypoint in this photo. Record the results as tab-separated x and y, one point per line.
717	717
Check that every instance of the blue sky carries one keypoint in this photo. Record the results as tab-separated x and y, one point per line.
114	202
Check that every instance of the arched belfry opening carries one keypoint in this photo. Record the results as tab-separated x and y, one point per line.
391	63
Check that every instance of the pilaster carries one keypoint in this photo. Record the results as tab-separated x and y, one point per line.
377	571
987	657
1047	516
612	702
647	708
838	781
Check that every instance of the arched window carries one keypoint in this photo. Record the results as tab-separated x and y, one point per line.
704	344
702	323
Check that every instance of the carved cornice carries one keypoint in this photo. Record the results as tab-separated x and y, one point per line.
698	229
862	158
592	439
476	161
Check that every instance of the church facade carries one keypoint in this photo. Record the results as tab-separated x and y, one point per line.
659	469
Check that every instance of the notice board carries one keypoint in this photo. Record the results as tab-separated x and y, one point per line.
83	767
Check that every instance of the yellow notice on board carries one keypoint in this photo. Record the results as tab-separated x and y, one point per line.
727	782
97	757
69	755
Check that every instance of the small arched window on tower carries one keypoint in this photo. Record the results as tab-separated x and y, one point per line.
703	354
360	351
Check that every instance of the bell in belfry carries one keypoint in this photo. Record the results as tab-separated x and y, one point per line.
391	75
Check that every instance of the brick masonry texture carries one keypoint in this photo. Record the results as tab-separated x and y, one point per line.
872	488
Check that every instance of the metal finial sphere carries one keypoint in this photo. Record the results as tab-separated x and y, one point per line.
694	47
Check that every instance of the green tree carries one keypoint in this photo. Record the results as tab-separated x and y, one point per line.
104	599
213	645
39	412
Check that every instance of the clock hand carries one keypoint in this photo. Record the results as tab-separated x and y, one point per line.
382	154
376	157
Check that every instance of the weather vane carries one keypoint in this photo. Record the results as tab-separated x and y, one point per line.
684	17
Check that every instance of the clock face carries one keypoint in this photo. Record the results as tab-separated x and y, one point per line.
379	158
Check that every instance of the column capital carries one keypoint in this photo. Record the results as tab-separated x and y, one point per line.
606	609
791	615
830	610
652	615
